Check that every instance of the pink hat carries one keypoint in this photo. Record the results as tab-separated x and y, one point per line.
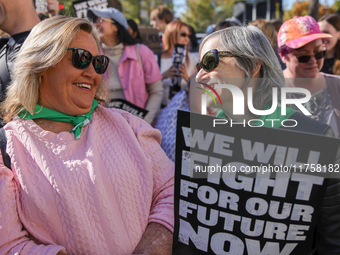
299	31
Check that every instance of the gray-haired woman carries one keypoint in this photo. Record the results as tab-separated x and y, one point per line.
243	57
84	179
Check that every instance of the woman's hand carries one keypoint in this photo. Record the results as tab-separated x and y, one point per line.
156	240
183	72
170	72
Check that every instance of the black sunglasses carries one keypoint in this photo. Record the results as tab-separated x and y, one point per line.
211	59
306	58
185	35
82	59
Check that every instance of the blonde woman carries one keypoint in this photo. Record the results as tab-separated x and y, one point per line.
84	179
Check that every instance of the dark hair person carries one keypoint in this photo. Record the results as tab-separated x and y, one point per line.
84	179
160	17
224	24
330	24
133	73
133	30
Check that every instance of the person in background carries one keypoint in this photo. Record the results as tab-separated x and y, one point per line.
224	24
84	179
330	24
302	49
176	32
277	24
193	41
133	30
234	20
4	37
17	18
133	72
160	17
269	31
242	56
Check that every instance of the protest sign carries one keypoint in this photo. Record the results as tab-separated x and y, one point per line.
82	6
127	106
41	6
177	61
243	190
151	39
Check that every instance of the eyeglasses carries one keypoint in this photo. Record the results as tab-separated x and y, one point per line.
211	60
184	35
82	59
106	19
306	58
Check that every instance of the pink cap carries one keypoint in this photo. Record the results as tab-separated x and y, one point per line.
299	31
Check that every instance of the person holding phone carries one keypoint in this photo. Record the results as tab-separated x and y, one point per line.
176	32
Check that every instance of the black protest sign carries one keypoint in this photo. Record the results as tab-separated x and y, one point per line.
82	6
177	61
129	107
150	37
247	190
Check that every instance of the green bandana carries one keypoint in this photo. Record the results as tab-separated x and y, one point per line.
45	113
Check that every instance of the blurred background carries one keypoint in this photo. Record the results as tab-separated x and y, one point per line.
201	13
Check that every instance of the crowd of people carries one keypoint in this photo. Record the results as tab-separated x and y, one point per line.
87	179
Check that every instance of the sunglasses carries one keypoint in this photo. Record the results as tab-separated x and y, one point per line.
184	35
211	59
306	58
82	59
101	20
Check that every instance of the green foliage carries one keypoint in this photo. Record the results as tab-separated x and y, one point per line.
199	14
301	9
68	8
336	5
202	13
131	9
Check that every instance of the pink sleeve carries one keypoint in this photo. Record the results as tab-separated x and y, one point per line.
162	207
150	65
13	238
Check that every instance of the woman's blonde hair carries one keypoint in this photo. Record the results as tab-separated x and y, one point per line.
44	48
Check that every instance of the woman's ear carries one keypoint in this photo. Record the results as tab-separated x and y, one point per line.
257	73
114	28
282	58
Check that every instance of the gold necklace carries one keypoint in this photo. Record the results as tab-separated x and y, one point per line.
48	125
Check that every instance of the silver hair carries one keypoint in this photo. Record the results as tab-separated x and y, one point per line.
44	48
251	47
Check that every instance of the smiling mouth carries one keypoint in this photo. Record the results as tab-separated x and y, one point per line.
212	89
82	85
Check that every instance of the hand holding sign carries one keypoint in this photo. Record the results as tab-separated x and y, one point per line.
177	61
